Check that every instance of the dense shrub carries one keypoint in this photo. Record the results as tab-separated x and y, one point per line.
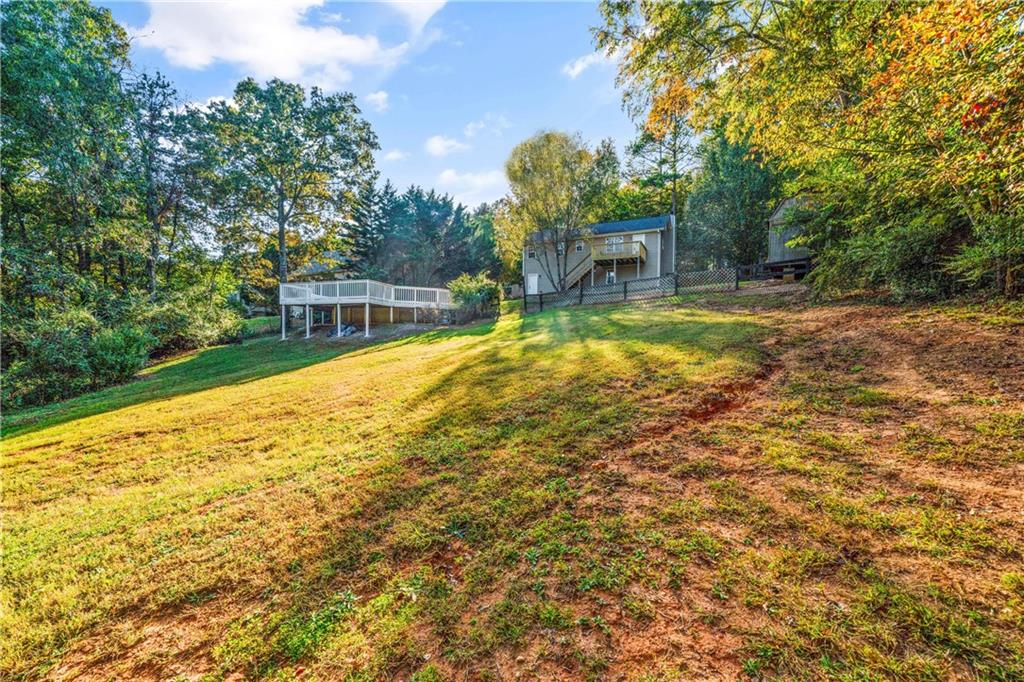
64	353
476	296
902	248
189	319
115	355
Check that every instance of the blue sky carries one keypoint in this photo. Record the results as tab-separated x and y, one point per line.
448	87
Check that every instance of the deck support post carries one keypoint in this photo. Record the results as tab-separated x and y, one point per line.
414	314
366	319
284	322
638	267
592	268
391	314
337	318
307	320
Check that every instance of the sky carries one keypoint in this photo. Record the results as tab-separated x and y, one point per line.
449	88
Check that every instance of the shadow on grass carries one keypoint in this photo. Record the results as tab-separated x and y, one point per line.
573	343
496	438
265	357
197	371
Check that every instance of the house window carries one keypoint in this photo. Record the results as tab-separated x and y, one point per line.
561	248
613	240
579	246
609	278
530	253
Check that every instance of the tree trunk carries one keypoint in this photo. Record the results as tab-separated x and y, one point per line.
170	246
122	271
282	248
154	253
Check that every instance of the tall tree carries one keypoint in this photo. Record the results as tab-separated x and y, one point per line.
732	196
155	149
288	161
482	246
660	159
556	183
63	122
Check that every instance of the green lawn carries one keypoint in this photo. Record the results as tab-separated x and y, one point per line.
450	503
261	326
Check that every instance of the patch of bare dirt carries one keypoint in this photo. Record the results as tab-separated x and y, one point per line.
175	643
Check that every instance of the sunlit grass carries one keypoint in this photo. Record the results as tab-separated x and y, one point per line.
262	471
446	500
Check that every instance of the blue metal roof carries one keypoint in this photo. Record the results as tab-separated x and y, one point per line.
657	222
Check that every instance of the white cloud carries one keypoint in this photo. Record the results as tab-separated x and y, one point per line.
495	124
203	106
395	155
378	100
439	145
264	38
417	12
473	188
577	66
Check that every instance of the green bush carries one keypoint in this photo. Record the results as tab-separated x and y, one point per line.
187	320
63	353
117	354
476	296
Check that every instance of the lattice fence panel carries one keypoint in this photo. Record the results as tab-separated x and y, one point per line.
722	279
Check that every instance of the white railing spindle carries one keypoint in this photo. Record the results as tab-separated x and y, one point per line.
355	291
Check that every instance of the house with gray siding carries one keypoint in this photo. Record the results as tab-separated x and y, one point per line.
601	253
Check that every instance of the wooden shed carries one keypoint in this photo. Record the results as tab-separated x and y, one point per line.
779	233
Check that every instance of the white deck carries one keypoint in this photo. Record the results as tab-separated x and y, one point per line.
361	292
356	291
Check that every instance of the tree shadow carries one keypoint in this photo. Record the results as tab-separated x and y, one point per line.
543	389
608	345
197	371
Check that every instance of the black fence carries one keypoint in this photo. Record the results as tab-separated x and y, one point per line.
672	284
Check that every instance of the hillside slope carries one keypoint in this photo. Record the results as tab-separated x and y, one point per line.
608	492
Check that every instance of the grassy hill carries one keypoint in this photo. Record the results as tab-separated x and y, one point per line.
666	491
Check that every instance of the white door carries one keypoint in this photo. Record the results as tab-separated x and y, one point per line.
533	284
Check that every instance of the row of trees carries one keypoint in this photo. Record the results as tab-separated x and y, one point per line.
419	237
903	121
129	216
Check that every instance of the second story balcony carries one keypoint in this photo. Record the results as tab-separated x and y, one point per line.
606	253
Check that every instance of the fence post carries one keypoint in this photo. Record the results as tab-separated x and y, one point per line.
737	277
541	299
581	292
675	281
625	283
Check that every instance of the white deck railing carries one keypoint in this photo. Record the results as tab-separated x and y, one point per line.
352	291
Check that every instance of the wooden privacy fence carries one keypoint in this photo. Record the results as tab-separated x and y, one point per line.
673	284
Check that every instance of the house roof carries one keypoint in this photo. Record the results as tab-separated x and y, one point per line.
801	198
332	261
648	224
657	222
